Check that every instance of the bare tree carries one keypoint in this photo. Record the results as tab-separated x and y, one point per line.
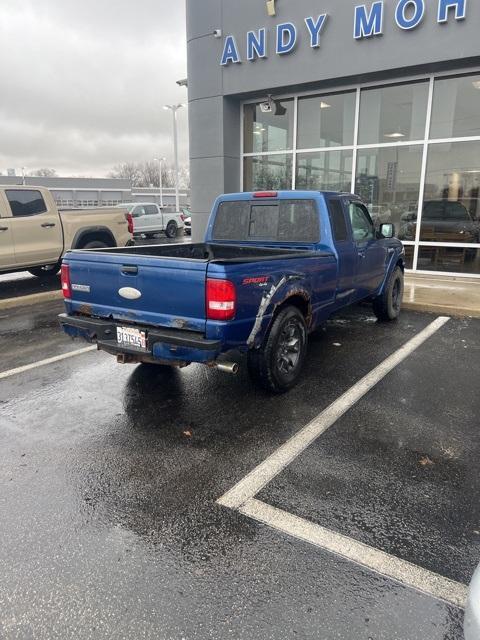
127	171
146	174
44	172
184	177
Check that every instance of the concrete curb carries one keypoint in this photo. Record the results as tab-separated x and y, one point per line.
26	301
441	309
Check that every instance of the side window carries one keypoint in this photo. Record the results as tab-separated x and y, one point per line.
25	202
337	220
138	212
151	210
362	225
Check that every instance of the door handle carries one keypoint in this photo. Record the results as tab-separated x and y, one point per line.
3	229
129	270
362	254
48	225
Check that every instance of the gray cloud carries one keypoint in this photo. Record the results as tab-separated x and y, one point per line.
83	83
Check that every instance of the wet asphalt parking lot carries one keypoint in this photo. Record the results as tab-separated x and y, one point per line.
110	477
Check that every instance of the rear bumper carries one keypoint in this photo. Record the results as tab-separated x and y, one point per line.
163	345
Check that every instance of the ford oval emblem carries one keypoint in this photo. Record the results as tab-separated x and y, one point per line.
130	293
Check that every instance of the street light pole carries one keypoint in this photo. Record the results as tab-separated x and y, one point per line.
160	175
174	109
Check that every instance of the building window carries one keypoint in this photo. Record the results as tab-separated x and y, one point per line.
388	181
393	114
451	207
268	172
325	170
449	259
456	107
310	142
266	132
326	121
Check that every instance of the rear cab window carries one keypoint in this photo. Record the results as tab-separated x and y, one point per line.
25	202
279	221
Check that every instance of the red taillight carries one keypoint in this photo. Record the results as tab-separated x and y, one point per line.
65	279
129	218
221	300
265	194
183	217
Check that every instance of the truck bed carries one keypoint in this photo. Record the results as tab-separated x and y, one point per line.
215	253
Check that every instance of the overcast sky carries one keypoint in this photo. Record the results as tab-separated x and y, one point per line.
83	82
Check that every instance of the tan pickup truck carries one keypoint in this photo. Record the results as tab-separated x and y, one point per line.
34	234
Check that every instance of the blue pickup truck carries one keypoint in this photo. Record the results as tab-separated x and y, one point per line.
274	266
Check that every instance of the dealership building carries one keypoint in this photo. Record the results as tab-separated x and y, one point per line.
381	99
83	193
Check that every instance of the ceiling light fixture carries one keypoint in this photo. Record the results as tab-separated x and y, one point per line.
476	84
395	134
324	105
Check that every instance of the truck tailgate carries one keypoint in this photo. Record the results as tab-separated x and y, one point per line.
163	292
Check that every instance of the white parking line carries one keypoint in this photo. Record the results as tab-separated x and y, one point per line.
42	363
284	455
380	562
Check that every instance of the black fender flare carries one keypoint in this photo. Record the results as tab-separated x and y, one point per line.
86	231
289	287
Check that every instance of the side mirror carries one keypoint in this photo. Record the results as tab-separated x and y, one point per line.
387	230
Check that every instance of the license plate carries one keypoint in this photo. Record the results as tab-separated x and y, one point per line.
129	337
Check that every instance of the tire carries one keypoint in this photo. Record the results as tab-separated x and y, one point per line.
172	229
95	244
276	366
46	272
388	305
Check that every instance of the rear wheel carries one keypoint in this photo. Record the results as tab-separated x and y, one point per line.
95	244
278	364
172	229
387	306
46	272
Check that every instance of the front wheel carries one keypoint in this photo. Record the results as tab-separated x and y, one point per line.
46	272
171	230
387	306
278	364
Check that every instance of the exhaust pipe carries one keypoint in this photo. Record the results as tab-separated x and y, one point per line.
227	367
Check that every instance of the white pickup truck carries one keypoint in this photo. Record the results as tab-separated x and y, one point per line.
34	234
149	219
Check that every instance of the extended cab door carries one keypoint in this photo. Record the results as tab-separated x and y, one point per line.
346	251
7	254
371	253
36	227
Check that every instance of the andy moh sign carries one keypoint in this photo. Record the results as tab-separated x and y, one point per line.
368	22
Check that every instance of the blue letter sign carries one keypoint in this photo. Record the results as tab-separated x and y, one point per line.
230	51
401	18
368	25
460	7
286	38
256	45
315	27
